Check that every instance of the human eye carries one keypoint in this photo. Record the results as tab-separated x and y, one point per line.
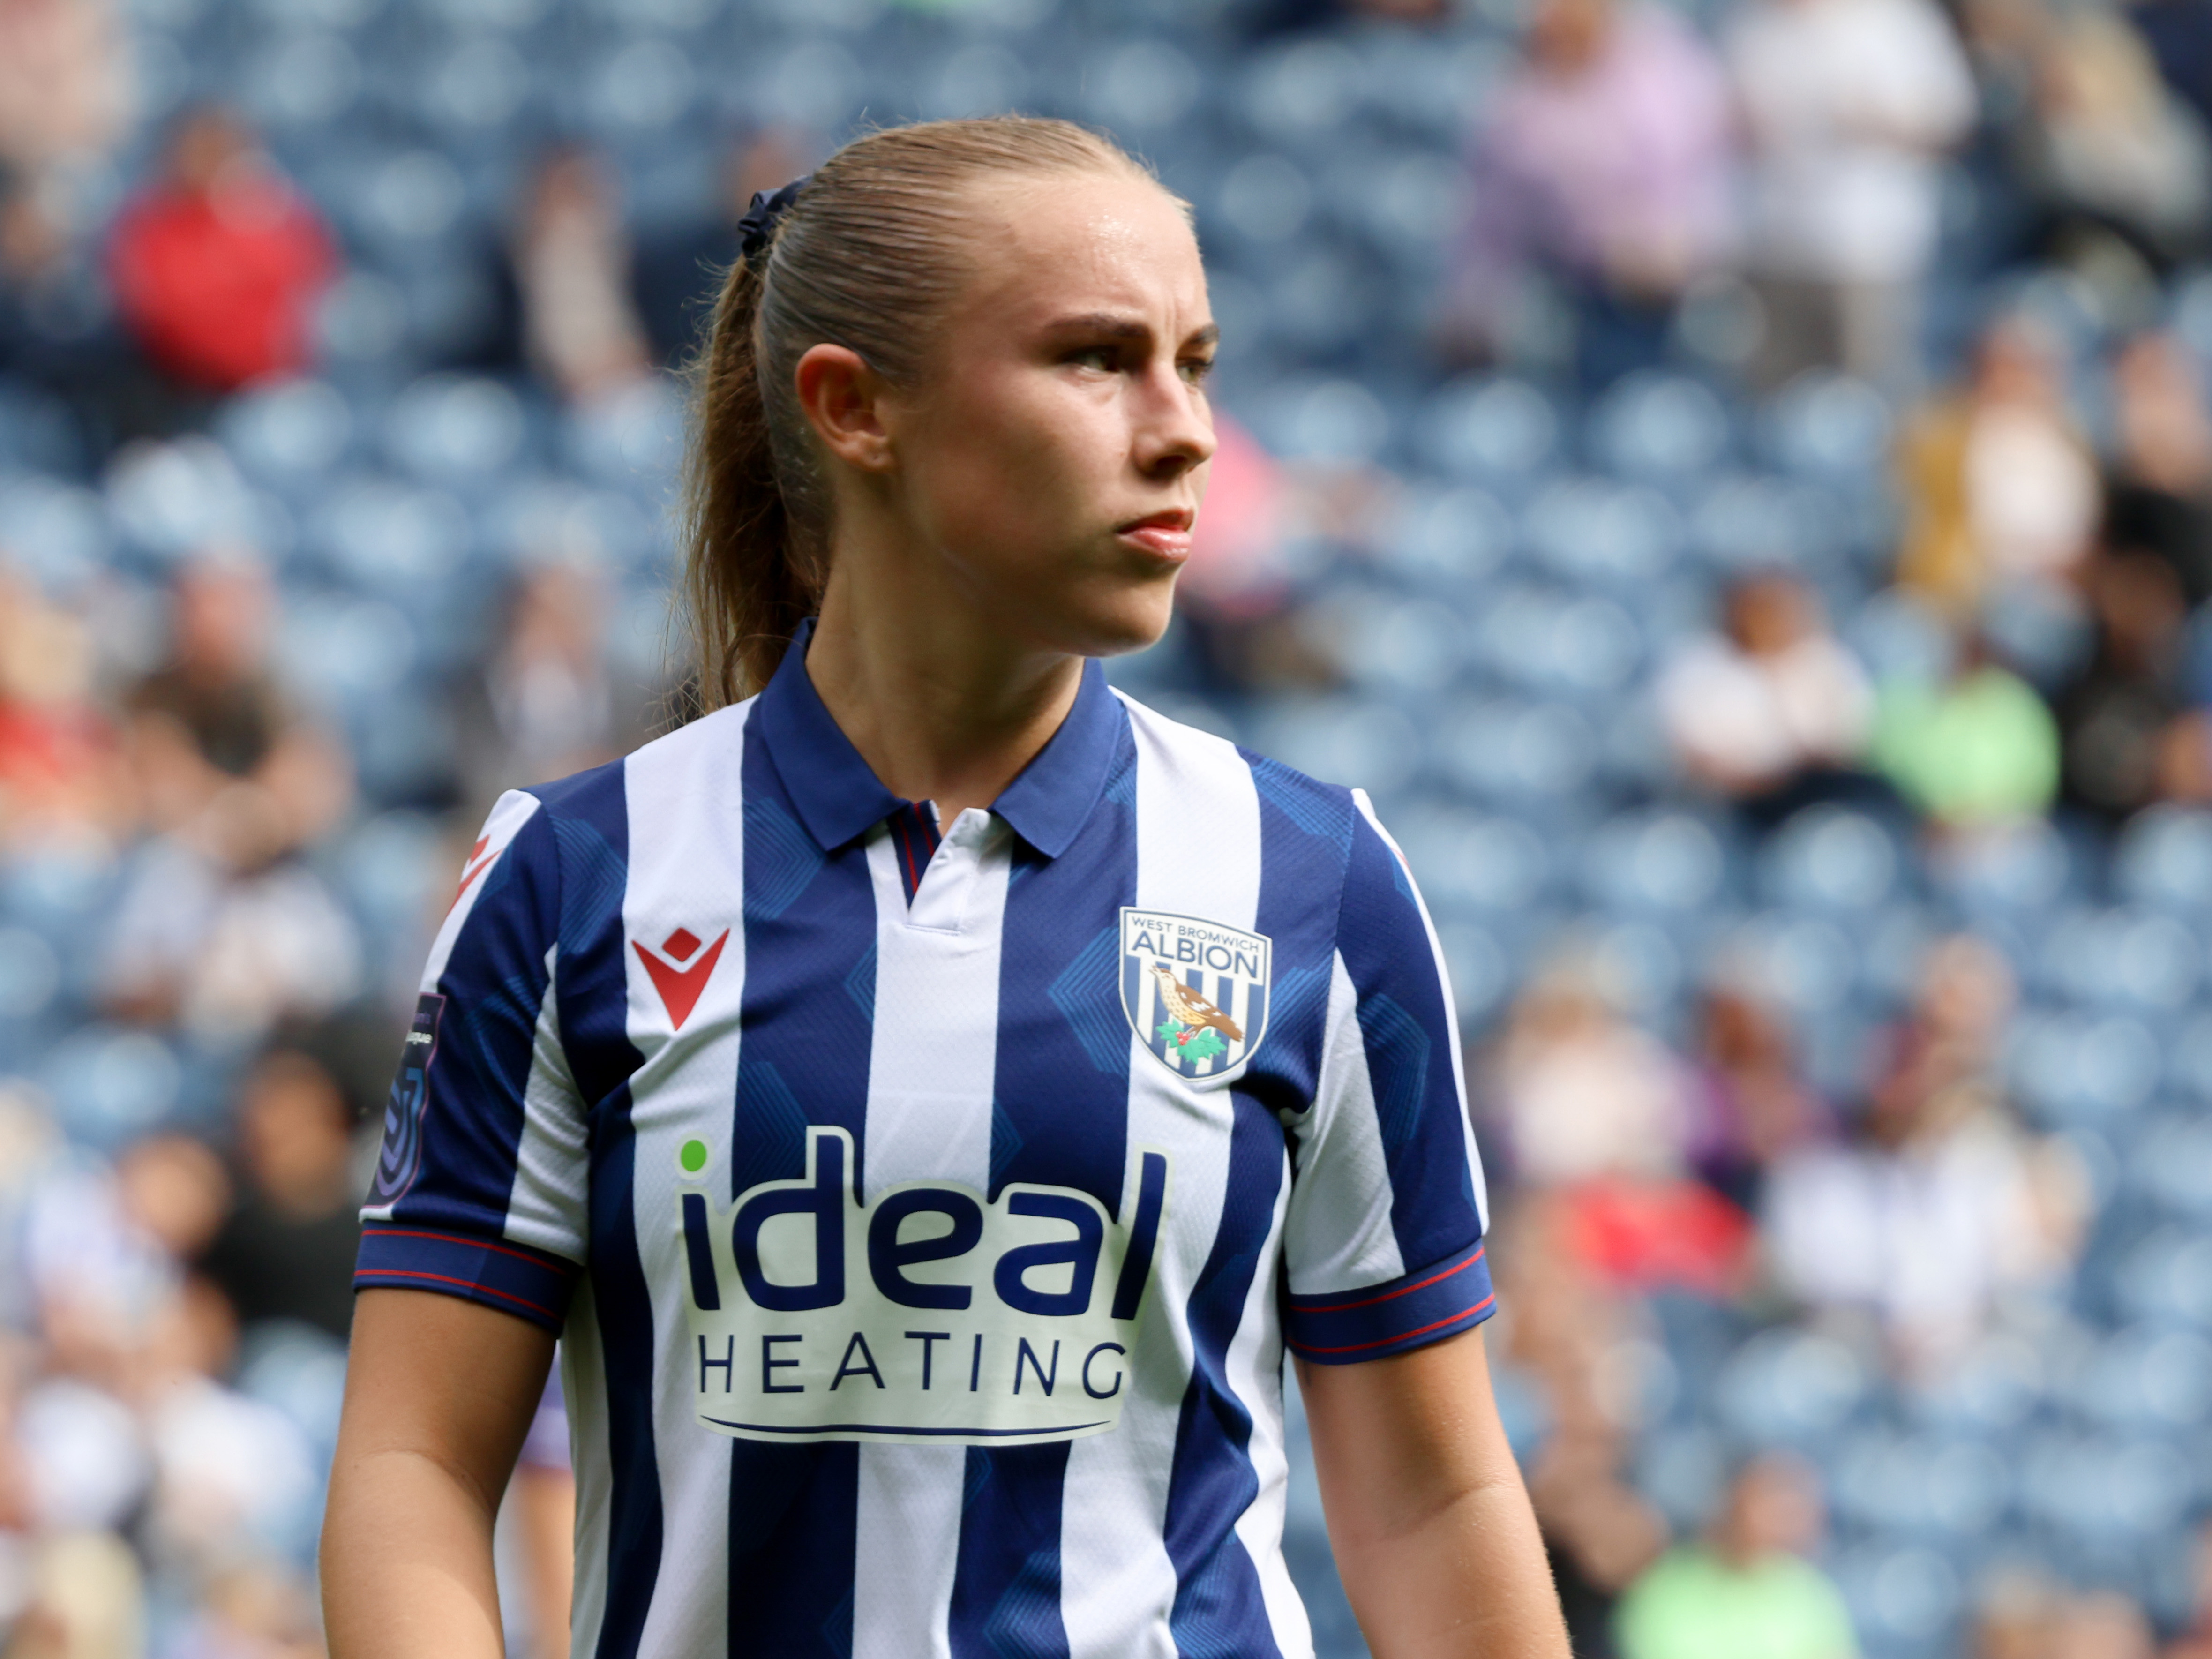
1100	359
1195	370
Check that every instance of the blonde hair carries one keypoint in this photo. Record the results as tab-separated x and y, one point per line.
867	257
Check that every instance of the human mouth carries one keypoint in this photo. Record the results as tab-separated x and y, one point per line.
1165	535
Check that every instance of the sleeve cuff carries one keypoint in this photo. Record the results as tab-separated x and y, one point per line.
530	1284
1426	1305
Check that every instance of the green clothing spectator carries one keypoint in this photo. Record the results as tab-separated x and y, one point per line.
1693	1604
1977	750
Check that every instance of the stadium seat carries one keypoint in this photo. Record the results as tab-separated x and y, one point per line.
1659	862
289	434
2164	859
1659	428
1603	535
1750	521
1366	744
59	533
2068	1069
2093	1487
389	538
1828	426
1142	88
1502	432
1474	861
454	431
1517	751
1832	858
1540	639
1906	1600
111	1083
1791	1386
1449	539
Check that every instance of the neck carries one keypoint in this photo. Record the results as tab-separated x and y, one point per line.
938	701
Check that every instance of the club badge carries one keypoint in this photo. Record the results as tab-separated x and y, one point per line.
1195	991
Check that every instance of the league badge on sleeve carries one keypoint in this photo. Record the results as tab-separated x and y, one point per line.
1195	990
401	1156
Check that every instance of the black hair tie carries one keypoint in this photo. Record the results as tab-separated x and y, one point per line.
765	214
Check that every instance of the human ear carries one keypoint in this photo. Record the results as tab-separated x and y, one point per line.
840	394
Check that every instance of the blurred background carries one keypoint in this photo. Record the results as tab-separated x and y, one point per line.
1733	478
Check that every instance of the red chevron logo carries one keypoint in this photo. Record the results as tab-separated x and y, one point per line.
476	866
680	986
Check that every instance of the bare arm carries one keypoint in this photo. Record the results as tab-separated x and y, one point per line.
439	1395
1431	1527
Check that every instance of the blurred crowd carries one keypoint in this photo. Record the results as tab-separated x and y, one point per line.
1816	1081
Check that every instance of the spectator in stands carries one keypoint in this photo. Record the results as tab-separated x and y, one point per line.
217	268
1268	17
232	1476
2179	35
1950	1038
65	102
1580	1092
1849	106
2106	154
1772	712
2000	488
1746	1589
257	1609
1602	167
63	784
221	755
1566	1332
1974	750
544	1500
1597	1111
2016	1616
222	926
679	271
545	702
83	1597
2195	1642
571	259
1748	1107
1941	1214
2158	489
2132	728
286	1249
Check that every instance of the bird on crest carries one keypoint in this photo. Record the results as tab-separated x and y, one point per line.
1194	1011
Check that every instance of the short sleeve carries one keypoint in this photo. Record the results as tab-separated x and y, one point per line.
1383	1239
479	1190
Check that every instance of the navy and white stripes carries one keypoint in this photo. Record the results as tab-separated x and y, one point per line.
666	980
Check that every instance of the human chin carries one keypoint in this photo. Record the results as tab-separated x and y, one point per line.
1112	618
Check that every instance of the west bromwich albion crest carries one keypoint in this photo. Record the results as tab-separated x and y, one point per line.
1195	990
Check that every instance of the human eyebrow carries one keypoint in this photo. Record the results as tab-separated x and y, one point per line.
1205	339
1101	324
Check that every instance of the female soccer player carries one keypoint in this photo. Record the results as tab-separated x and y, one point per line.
927	1093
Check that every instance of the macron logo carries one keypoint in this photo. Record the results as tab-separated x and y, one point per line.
476	866
680	973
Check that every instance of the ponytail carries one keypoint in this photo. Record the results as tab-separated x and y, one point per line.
866	256
748	579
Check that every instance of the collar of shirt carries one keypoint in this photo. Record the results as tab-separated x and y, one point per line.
838	797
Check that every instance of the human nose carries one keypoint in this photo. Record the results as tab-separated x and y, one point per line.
1174	425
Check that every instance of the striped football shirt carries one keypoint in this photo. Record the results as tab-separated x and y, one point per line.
924	1217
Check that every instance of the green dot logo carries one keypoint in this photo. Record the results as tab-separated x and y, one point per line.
693	1157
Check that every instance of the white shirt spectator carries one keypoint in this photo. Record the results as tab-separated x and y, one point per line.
1758	718
1930	1236
1847	103
85	1459
241	951
1768	694
2033	494
1584	1094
